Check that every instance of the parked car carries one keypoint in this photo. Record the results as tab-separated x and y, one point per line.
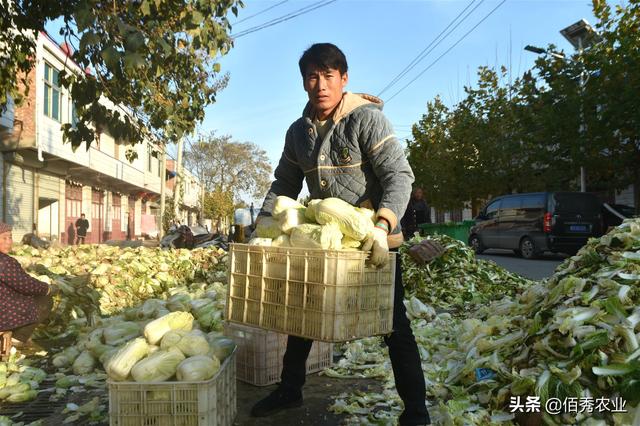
614	214
532	223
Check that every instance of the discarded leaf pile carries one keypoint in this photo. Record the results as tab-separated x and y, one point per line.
575	335
457	281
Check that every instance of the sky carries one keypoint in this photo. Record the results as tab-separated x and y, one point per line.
379	38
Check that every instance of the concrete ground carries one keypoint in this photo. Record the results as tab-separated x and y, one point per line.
317	398
535	269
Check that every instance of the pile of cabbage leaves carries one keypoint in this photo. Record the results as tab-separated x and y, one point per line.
575	335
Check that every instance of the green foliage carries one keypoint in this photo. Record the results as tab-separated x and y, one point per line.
536	132
169	214
218	204
157	58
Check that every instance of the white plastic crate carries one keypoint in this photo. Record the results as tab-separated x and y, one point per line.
326	295
208	403
260	352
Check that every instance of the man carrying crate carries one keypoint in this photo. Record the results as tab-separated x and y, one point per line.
344	147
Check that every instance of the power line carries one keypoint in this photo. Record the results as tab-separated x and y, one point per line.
448	50
259	13
422	54
283	18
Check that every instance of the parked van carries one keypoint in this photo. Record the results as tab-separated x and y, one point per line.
532	223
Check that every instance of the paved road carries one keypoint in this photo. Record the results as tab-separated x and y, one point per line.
534	269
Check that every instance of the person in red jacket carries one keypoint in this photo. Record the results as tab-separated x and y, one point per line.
24	301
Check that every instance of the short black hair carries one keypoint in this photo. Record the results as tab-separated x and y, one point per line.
324	56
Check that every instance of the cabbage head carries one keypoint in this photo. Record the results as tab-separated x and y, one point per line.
283	204
353	222
157	367
197	368
156	329
121	363
316	236
193	344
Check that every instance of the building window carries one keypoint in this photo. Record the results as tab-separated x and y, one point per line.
51	92
149	158
74	116
159	168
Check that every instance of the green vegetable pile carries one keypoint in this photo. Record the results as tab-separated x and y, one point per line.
97	280
19	382
457	281
575	335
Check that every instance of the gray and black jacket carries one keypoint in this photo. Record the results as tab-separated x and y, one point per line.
359	160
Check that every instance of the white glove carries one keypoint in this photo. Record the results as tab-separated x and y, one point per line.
377	243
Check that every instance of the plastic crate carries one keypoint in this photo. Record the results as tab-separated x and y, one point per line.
260	352
326	295
208	403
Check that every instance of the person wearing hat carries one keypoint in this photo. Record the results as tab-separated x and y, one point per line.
24	301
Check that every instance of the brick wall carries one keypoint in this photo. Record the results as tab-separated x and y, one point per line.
24	124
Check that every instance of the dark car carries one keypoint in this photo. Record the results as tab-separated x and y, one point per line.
532	223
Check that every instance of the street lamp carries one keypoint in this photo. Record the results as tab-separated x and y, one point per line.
580	35
539	51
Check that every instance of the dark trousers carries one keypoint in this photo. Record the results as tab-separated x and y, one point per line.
80	239
403	351
44	305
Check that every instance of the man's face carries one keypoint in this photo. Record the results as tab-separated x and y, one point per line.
5	242
324	88
82	216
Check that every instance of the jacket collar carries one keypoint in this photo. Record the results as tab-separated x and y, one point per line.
349	103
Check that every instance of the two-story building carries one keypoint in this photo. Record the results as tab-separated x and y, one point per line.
46	186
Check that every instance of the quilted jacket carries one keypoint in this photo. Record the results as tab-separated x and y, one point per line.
359	160
17	288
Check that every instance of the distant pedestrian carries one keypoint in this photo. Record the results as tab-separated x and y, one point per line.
82	225
417	213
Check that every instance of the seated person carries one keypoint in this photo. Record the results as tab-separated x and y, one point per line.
24	301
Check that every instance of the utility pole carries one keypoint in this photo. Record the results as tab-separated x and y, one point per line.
163	194
176	190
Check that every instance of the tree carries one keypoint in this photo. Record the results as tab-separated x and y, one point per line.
612	105
169	216
535	134
218	204
157	58
228	170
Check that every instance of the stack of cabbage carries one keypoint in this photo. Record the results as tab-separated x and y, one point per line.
457	281
170	348
204	305
103	280
325	224
576	335
19	382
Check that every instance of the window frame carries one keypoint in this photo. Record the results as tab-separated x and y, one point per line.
49	88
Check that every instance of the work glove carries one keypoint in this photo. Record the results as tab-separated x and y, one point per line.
426	251
377	242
